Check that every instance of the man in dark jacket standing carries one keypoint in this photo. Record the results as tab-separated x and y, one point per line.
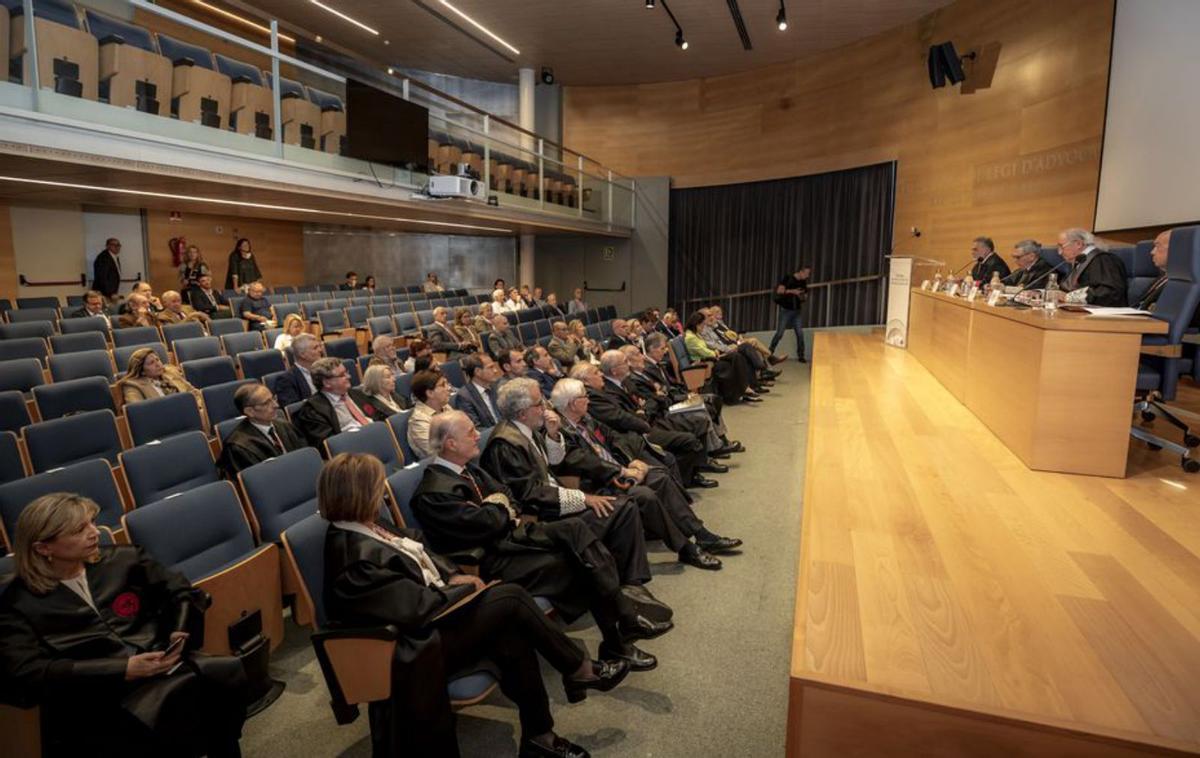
106	271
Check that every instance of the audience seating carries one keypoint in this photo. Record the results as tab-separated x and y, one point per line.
332	131
25	315
206	372
527	333
162	468
345	348
121	355
162	417
453	372
12	463
404	384
25	303
251	104
399	423
79	365
93	479
132	73
24	347
84	325
375	439
41	329
90	393
1140	270
693	377
221	327
67	56
291	409
138	335
22	374
199	93
281	491
14	411
301	118
282	311
92	434
203	534
380	325
257	364
225	427
185	330
401	486
195	348
218	400
78	342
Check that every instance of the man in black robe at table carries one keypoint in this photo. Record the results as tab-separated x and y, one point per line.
1097	276
260	435
610	462
520	452
1032	270
987	262
463	508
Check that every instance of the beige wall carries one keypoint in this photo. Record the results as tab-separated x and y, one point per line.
1017	159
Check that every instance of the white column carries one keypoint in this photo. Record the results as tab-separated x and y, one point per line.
525	271
526	81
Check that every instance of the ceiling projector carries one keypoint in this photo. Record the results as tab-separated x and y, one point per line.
457	186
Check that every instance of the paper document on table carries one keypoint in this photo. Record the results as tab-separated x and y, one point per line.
1103	311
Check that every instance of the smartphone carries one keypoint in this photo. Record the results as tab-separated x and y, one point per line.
174	646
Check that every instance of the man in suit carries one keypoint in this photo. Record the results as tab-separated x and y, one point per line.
512	366
461	507
620	336
565	349
93	307
657	404
175	312
612	404
297	383
106	270
986	261
330	410
605	466
501	338
207	300
442	338
260	435
658	372
351	282
540	367
552	302
520	452
1159	255
1031	270
477	398
1097	276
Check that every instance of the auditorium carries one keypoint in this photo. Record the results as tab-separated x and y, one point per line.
569	378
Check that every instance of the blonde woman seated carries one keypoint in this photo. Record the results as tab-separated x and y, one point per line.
147	377
579	332
465	330
378	397
293	327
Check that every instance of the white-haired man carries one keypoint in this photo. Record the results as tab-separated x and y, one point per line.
1097	276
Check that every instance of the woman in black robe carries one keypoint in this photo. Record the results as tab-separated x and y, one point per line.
447	621
87	634
242	265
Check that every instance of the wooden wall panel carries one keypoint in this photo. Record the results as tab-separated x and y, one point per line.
278	245
1019	158
8	256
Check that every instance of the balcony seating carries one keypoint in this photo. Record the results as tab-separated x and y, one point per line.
251	104
333	120
199	93
132	72
300	116
68	57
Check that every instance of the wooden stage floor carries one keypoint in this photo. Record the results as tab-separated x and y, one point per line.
953	602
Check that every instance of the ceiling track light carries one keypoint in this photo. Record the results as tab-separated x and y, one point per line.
344	17
680	42
781	17
650	4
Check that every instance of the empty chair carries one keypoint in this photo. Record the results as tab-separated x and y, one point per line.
525	315
344	347
528	333
218	400
406	324
25	315
310	308
26	303
121	355
68	57
41	329
14	411
399	424
404	385
199	93
91	393
79	365
21	374
256	364
282	311
283	290
78	343
374	439
356	316
243	342
194	348
332	320
186	330
401	486
453	372
282	491
165	467
24	347
271	379
332	131
93	479
220	327
543	328
138	335
380	325
12	465
132	73
300	118
71	439
162	417
203	534
85	325
207	372
251	105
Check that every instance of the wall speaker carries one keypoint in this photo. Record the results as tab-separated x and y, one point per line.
944	65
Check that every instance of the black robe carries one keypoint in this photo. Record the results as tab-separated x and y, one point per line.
246	446
657	405
1036	275
615	407
317	421
1103	274
512	459
982	271
70	659
246	270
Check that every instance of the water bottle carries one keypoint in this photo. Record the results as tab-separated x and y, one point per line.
1050	301
996	284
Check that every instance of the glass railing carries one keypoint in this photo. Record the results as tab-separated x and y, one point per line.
133	69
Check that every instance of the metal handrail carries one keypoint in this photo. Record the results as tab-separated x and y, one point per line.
813	286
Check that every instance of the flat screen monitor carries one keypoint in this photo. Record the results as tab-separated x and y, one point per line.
383	128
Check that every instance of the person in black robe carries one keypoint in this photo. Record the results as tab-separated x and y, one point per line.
1032	270
243	267
461	507
656	402
603	465
987	262
658	371
260	435
447	622
1098	273
520	451
85	631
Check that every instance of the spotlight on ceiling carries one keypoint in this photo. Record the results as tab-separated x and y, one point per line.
547	75
781	17
650	4
680	41
391	70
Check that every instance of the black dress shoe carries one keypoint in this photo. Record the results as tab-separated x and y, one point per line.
562	749
638	659
693	555
645	604
703	482
776	359
734	446
718	454
720	544
713	467
725	450
802	359
641	628
751	399
768	373
609	673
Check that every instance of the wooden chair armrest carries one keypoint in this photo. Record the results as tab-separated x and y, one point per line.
357	665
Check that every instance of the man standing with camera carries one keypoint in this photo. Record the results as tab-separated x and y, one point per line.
790	294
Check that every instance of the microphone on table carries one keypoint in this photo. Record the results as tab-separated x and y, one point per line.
1040	278
957	271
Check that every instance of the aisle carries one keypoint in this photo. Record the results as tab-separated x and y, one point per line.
721	684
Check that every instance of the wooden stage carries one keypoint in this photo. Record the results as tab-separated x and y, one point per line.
953	602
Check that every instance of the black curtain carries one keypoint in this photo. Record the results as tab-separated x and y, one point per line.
741	238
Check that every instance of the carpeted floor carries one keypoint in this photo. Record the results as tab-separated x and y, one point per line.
721	685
